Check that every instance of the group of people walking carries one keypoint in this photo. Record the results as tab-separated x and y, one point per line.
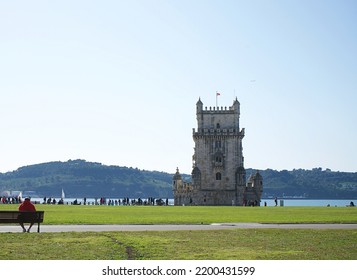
10	200
111	202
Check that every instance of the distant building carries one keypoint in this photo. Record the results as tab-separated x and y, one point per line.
218	174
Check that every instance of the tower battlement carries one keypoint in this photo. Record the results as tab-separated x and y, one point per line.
223	110
218	118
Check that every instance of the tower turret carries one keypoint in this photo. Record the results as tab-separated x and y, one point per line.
199	112
177	180
199	106
254	189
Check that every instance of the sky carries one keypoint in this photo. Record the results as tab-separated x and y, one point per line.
117	82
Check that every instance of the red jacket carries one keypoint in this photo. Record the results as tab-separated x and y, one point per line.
27	206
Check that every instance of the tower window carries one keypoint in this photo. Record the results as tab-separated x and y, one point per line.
218	144
218	126
218	176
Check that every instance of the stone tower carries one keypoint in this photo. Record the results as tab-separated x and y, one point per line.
218	175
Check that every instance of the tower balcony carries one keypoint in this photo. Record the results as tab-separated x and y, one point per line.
217	132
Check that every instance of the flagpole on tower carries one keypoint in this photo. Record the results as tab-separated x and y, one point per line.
217	94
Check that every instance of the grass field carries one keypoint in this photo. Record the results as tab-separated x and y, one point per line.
265	244
235	244
71	214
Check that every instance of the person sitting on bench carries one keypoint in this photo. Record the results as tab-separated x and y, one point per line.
26	206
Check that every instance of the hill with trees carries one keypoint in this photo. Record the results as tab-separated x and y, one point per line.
80	178
312	184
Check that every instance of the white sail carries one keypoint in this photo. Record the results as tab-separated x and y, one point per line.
62	196
20	196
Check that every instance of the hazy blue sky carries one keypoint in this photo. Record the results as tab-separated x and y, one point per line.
117	82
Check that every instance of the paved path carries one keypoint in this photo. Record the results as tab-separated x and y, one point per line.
81	228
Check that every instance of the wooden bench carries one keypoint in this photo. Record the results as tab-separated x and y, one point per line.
11	217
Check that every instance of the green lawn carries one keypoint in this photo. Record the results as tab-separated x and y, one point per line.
232	244
71	214
256	244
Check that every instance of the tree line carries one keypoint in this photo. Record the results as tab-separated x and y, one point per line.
80	178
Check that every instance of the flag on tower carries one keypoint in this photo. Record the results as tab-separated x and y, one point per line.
217	94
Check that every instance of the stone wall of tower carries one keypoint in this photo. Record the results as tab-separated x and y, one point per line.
253	190
218	155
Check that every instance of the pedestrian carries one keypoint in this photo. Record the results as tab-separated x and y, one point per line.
276	201
26	206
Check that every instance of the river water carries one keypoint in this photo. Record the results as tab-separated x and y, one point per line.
310	202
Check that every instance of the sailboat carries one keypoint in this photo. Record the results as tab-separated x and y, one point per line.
20	196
